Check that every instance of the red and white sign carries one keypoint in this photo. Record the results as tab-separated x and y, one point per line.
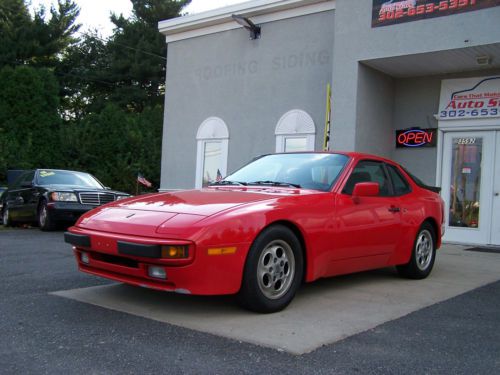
470	98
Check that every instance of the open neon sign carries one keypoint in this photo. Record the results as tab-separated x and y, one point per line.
416	138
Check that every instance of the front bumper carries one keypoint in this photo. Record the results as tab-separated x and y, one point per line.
200	274
67	211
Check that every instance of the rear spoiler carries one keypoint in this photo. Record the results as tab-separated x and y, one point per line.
435	189
418	181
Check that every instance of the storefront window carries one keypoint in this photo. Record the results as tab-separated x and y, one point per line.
465	182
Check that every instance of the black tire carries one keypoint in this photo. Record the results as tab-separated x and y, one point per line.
423	254
275	255
6	220
45	221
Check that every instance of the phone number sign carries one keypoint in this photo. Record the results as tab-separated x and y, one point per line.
390	12
470	98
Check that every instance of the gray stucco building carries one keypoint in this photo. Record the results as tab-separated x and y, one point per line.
417	81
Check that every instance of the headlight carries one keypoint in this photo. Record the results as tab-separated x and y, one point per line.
64	197
120	197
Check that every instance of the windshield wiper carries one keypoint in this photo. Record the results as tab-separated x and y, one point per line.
274	183
228	182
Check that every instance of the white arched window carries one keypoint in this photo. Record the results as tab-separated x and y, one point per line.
211	157
295	132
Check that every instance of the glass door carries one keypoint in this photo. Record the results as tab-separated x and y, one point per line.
468	161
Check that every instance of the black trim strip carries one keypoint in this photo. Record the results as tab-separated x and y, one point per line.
139	250
77	239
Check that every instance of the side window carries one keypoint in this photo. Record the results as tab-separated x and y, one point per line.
368	171
28	178
399	183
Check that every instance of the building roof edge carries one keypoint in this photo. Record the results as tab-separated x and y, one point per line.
217	19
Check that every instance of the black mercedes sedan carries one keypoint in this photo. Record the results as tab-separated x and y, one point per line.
52	196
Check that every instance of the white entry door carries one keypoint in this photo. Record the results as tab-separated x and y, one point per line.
467	187
495	221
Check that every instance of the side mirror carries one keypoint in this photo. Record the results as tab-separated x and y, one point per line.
365	189
26	185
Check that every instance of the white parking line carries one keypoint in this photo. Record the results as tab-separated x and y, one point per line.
322	313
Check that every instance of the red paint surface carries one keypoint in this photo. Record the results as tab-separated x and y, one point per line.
341	233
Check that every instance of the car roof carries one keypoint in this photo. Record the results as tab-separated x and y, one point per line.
362	155
352	154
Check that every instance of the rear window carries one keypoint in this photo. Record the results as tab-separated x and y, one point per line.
421	184
399	183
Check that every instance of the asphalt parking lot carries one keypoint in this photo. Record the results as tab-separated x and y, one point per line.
45	328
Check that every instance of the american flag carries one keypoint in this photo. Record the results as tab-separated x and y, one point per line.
142	180
219	176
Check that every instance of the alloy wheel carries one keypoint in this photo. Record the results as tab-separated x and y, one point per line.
276	269
423	250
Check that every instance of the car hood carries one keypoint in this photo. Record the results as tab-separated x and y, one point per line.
205	202
150	215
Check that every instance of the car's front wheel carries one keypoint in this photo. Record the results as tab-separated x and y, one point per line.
423	254
273	271
45	221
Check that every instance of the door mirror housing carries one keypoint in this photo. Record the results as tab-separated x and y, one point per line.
366	189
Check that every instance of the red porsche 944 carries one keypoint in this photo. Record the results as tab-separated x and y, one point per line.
277	222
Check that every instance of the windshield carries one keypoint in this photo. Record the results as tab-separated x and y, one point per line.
70	178
306	170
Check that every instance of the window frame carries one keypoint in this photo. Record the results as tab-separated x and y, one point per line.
386	174
401	175
212	129
295	124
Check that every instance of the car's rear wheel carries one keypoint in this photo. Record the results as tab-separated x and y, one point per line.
273	271
423	254
45	221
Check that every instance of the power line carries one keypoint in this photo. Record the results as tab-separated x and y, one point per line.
125	46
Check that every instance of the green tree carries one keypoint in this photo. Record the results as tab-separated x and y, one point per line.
115	145
36	40
128	69
114	93
29	118
138	53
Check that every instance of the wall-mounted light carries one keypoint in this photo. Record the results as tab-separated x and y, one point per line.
249	25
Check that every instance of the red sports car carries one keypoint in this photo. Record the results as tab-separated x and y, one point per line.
280	220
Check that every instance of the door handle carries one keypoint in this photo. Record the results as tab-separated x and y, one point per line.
394	209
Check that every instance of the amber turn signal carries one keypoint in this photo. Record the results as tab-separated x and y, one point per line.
222	250
174	252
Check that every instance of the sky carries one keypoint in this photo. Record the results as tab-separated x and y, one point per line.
94	14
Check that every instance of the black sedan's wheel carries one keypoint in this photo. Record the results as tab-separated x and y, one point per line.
423	254
273	271
45	221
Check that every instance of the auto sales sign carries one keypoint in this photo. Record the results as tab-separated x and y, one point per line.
470	98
